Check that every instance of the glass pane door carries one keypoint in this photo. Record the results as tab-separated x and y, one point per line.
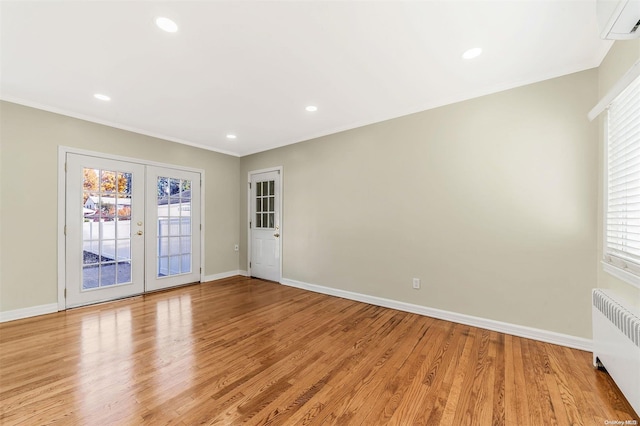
173	243
264	233
104	223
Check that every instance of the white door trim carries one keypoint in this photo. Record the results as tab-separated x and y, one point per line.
278	169
62	155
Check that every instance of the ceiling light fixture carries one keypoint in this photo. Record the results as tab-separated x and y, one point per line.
166	24
102	97
312	108
472	53
231	136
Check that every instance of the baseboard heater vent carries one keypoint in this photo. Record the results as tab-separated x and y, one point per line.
616	342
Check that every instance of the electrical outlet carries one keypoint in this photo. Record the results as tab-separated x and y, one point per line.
236	248
416	283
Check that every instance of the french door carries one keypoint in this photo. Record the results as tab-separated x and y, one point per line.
173	240
104	229
129	228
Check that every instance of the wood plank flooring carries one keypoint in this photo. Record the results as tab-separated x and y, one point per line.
245	351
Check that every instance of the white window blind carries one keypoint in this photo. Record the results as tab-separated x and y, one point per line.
622	242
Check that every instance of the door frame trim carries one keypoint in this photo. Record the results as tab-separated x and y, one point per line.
62	202
280	170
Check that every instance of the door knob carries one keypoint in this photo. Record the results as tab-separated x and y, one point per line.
139	232
277	234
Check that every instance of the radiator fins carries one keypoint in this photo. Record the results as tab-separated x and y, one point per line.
623	319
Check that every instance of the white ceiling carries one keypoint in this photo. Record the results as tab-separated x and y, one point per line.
251	67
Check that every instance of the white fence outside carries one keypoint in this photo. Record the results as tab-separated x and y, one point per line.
91	237
115	237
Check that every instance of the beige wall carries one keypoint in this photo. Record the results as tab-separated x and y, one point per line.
621	57
29	141
492	202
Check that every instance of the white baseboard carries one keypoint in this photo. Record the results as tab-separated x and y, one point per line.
28	312
53	307
502	327
224	275
488	324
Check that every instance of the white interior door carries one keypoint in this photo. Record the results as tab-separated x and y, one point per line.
104	229
173	231
264	226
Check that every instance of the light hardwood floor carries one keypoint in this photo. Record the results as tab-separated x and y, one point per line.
242	350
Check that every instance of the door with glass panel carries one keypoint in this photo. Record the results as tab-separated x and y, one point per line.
173	227
265	226
104	229
130	228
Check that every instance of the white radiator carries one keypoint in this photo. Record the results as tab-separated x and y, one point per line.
616	343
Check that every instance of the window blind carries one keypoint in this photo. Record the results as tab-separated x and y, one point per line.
623	180
616	89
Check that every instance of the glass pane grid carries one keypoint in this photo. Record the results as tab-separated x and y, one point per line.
106	234
174	226
265	204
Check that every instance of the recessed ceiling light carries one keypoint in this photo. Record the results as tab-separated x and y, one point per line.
472	53
231	136
312	108
102	97
166	24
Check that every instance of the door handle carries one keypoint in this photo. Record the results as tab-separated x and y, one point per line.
139	232
277	234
